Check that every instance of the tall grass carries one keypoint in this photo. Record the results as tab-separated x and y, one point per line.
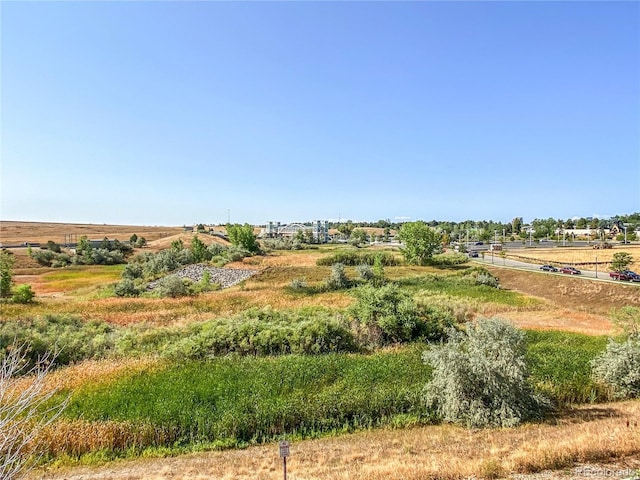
358	257
236	400
560	365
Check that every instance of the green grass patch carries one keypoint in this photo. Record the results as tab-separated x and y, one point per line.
253	400
457	285
77	277
560	365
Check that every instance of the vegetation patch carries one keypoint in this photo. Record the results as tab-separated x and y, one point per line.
560	366
252	400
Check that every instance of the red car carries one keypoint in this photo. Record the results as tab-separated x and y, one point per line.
570	270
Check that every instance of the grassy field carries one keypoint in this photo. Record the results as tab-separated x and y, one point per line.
238	401
123	405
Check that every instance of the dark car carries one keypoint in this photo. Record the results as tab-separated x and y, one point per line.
633	276
473	254
570	270
479	243
548	268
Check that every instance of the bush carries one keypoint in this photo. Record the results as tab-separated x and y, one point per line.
619	368
365	272
173	286
132	271
23	294
126	288
480	378
355	257
392	316
449	259
298	283
73	338
338	278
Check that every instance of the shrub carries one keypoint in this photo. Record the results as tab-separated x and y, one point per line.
365	272
357	257
126	288
23	294
132	271
44	257
619	368
449	259
338	278
480	378
298	283
391	316
73	338
172	286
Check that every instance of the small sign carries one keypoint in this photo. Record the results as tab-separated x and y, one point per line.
284	449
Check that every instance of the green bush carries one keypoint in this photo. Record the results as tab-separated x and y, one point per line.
449	259
389	315
619	368
173	286
127	288
354	257
480	377
23	294
72	338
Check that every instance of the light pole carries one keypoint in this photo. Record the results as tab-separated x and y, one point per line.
625	235
504	236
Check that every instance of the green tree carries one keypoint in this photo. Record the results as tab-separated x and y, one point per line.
199	250
346	228
84	246
6	272
621	261
516	225
243	236
358	237
420	242
133	239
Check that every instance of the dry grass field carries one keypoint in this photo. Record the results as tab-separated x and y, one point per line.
13	233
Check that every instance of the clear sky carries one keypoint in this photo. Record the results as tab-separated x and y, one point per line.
170	113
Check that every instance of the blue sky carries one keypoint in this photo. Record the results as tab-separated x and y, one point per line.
170	113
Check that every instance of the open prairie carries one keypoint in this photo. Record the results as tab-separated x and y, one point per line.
403	447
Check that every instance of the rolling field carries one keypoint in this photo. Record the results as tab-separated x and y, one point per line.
129	404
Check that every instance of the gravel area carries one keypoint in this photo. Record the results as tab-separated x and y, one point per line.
225	277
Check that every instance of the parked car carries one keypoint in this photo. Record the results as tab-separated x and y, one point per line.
479	243
570	270
548	268
473	254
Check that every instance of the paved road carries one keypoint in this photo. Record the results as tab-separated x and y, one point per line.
602	275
